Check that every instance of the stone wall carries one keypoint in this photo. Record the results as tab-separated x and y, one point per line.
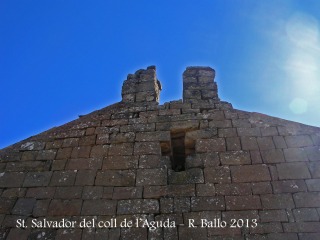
197	159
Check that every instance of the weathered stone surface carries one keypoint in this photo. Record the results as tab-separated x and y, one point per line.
138	206
193	175
120	162
250	173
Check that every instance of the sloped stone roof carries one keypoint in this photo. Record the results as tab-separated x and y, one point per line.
191	162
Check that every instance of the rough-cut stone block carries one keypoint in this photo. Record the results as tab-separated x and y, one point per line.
227	132
138	127
84	163
41	192
99	151
127	192
37	179
210	145
70	142
28	146
249	143
85	177
265	143
65	207
87	140
121	149
305	215
289	186
298	141
268	131
277	201
153	136
297	170
81	152
138	206
24	206
92	192
272	156
233	189
146	148
279	142
314	168
243	202
120	162
133	233
313	185
151	177
187	190
261	188
203	190
295	155
248	132
313	153
273	216
6	205
302	227
154	161
68	192
63	178
250	173
46	154
186	232
181	204
193	175
219	174
115	178
307	199
64	153
99	207
235	158
11	179
233	143
207	203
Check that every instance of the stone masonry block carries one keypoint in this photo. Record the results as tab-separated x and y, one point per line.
298	141
120	162
84	163
243	202
120	149
138	206
99	207
277	201
207	203
146	148
297	170
115	178
59	207
151	177
63	178
24	206
250	173
11	179
127	192
210	145
265	143
272	156
37	179
295	155
220	174
235	158
289	186
307	199
249	143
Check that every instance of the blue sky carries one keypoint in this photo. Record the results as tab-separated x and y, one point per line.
61	59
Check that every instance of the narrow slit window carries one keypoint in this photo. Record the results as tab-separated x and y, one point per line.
178	154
